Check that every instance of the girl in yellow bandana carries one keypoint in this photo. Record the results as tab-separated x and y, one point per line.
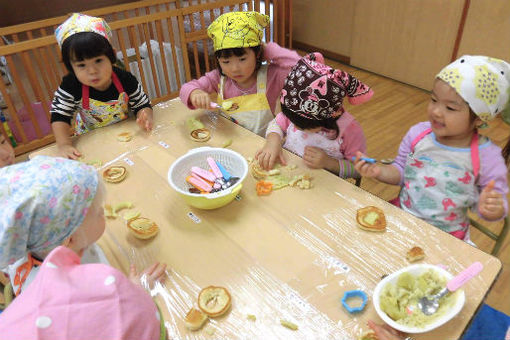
252	88
99	93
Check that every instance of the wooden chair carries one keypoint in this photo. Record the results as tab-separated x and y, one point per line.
499	238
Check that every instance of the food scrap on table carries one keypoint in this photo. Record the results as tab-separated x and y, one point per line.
227	143
371	218
276	176
195	319
415	254
214	301
289	324
124	136
143	228
114	174
264	188
251	317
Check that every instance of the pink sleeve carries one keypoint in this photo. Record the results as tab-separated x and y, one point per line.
405	147
353	140
284	58
278	125
208	83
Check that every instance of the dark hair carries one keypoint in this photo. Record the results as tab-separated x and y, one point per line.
85	45
239	52
506	152
305	123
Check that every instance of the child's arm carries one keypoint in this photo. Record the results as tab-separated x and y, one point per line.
272	150
204	85
62	110
149	276
63	140
493	185
144	119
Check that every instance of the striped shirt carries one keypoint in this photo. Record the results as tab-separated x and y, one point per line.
67	99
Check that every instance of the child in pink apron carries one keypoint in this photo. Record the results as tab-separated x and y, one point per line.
444	166
313	122
69	300
94	91
44	203
252	88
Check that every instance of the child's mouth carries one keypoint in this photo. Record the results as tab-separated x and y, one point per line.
437	125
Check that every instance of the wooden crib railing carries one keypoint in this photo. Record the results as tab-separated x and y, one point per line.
163	47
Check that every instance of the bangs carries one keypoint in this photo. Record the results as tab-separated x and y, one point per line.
228	52
86	45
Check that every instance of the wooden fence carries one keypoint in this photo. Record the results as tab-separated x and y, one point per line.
163	43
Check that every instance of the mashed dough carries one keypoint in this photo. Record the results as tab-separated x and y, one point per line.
400	301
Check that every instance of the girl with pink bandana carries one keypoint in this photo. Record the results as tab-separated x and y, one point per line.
313	121
443	165
44	203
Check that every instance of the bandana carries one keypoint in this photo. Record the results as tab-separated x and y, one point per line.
42	202
69	300
315	91
483	82
237	29
78	23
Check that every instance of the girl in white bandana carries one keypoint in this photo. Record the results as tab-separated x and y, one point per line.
444	166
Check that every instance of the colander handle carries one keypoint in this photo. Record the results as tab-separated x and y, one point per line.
232	190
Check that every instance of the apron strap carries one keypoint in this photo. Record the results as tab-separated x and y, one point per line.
23	271
475	154
419	138
221	85
85	91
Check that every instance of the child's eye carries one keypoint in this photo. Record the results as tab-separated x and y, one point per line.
224	61
449	108
99	60
433	99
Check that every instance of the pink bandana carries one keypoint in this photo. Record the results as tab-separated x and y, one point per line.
313	90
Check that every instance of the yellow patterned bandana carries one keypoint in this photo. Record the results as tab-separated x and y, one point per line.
78	23
237	29
483	82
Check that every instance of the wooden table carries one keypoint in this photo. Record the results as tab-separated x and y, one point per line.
290	255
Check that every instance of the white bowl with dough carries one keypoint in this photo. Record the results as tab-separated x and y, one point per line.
416	270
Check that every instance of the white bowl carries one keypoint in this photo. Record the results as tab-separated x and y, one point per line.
416	270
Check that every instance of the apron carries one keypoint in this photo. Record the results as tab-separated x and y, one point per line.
296	140
94	114
251	111
440	184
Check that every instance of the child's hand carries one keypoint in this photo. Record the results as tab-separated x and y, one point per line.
154	273
316	158
68	151
491	204
144	119
366	169
200	99
385	332
270	153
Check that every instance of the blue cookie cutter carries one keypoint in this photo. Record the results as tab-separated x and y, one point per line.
354	293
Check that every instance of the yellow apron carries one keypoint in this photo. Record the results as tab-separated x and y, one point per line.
251	111
94	113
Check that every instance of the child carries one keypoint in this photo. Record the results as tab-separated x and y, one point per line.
6	152
98	92
251	87
47	202
81	302
313	120
443	165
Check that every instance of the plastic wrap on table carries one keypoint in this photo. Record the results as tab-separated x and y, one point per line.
292	264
